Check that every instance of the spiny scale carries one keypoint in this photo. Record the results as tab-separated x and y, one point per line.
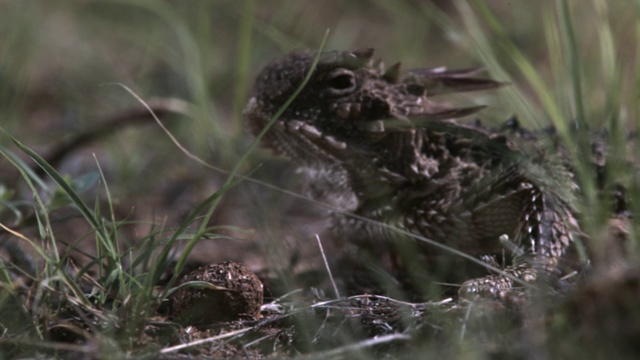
375	144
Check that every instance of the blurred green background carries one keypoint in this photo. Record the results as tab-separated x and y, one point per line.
63	65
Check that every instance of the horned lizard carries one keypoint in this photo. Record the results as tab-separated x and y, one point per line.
373	143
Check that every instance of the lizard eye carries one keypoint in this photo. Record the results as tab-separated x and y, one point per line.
341	82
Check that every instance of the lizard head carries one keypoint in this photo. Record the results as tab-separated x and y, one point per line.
349	101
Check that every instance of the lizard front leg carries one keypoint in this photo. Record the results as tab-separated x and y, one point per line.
542	235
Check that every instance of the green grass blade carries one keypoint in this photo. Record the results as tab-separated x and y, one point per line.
70	192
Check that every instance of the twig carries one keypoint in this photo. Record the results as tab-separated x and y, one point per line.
466	320
326	264
204	341
117	122
363	345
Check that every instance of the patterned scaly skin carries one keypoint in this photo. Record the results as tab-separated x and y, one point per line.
374	144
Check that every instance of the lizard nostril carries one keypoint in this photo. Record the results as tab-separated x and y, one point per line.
415	89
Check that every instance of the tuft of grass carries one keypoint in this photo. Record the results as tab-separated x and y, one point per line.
123	297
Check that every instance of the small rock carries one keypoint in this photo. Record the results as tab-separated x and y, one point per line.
241	297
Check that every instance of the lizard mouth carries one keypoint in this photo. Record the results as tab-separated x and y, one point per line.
304	143
298	140
313	134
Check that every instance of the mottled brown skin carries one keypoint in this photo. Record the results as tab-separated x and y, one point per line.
374	144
